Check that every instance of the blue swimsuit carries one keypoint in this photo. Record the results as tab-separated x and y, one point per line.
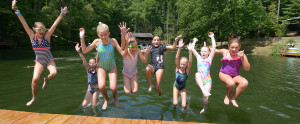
92	79
106	56
180	81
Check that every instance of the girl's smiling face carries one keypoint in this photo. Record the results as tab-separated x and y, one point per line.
234	48
103	35
40	30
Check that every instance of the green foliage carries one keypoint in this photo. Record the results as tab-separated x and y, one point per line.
277	49
291	41
166	18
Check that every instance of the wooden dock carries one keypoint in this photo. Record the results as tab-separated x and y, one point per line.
21	117
290	54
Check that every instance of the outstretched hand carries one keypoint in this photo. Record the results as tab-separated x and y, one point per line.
64	10
211	34
241	53
195	40
14	5
77	47
122	27
148	49
181	43
81	32
178	37
190	46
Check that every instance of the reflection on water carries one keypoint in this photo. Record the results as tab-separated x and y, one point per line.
271	97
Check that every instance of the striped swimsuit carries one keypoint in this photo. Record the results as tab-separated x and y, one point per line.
106	56
129	66
203	67
42	51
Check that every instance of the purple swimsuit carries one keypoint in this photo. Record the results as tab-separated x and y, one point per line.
231	66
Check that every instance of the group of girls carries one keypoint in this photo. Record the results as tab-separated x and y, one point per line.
104	63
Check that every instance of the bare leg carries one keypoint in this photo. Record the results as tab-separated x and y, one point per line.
53	72
126	84
175	96
38	69
87	98
95	97
183	97
230	84
158	76
148	71
113	83
201	85
242	85
207	88
134	84
101	73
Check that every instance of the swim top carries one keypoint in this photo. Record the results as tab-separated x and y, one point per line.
42	51
92	77
231	66
157	53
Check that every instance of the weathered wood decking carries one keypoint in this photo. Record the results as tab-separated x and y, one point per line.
21	117
290	54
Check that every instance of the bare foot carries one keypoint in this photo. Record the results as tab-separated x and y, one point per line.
30	102
149	89
116	101
45	83
203	111
160	92
104	106
226	100
234	103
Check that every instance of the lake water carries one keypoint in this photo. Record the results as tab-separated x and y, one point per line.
273	94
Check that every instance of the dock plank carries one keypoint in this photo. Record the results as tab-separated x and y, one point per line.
92	120
154	122
15	117
138	121
123	121
2	110
107	120
36	118
170	122
60	119
76	119
6	114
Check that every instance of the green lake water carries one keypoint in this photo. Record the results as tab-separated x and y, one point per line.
273	94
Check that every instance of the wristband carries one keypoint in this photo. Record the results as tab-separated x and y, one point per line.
18	14
179	47
62	14
78	51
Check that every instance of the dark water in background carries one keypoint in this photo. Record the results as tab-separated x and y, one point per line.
271	97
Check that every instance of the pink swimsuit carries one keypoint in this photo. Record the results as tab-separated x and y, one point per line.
129	66
231	66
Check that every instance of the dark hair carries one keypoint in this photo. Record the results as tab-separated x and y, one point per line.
234	39
38	23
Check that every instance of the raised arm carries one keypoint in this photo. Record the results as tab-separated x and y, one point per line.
77	48
174	44
22	20
193	48
83	46
190	48
119	49
245	62
123	29
53	27
144	57
177	61
213	42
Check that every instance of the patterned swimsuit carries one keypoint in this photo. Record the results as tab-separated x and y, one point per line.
106	56
129	66
42	51
203	67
